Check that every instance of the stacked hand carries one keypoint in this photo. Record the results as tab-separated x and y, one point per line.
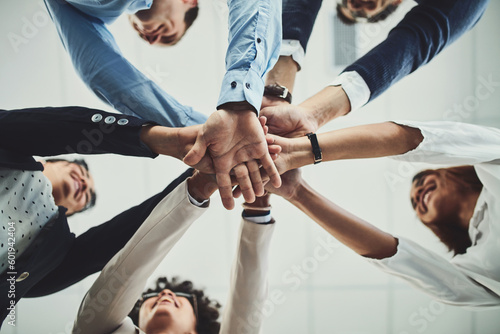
236	142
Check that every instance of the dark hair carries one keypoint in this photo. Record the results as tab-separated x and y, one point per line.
452	234
190	16
391	8
83	163
208	310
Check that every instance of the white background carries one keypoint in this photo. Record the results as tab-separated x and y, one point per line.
342	294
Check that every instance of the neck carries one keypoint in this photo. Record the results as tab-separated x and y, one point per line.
468	204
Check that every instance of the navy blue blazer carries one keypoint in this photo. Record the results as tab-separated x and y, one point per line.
424	32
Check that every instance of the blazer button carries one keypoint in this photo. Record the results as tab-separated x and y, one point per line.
96	118
122	121
109	120
23	276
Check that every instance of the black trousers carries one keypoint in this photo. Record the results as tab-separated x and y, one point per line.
84	255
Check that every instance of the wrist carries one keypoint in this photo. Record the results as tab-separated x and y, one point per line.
161	140
201	186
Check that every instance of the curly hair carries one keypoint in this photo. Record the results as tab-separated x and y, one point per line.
208	310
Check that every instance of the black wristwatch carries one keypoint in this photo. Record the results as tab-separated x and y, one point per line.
278	91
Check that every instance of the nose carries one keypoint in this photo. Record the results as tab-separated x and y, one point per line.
166	292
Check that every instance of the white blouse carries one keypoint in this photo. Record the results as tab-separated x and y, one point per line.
471	279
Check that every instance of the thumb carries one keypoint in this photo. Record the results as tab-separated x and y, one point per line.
196	153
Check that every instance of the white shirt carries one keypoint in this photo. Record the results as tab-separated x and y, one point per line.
121	282
471	279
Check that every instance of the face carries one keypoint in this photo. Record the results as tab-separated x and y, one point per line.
435	198
167	313
163	23
72	185
353	9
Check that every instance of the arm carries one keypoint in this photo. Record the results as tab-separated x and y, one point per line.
424	32
423	269
62	130
233	135
123	279
102	67
448	143
248	287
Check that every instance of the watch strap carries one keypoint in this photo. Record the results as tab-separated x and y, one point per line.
318	156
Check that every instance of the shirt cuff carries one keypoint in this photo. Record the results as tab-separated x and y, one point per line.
291	47
238	86
264	218
195	202
355	87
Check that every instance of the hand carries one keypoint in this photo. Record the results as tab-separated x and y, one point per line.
291	182
235	140
175	142
289	120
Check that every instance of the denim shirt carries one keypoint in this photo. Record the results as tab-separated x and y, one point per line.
254	43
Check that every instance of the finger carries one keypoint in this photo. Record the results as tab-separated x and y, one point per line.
274	149
254	170
266	129
225	190
237	192
196	153
274	156
241	173
262	120
270	139
271	170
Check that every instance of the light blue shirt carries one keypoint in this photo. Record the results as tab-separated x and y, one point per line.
254	43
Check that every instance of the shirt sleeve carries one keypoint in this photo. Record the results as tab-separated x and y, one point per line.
424	32
249	286
114	293
355	87
101	65
435	276
453	144
254	45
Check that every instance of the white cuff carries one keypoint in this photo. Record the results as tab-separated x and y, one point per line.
195	202
290	47
259	219
355	87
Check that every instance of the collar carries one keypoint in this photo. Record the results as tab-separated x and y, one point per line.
477	217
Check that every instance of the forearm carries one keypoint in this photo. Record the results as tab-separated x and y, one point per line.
362	237
329	103
364	141
283	73
254	43
100	64
423	33
62	130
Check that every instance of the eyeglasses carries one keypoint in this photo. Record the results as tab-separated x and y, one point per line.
190	297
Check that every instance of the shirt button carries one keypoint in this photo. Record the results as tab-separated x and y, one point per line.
109	120
247	85
122	121
96	118
233	84
23	276
258	40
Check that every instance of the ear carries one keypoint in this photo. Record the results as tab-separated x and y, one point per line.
191	3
